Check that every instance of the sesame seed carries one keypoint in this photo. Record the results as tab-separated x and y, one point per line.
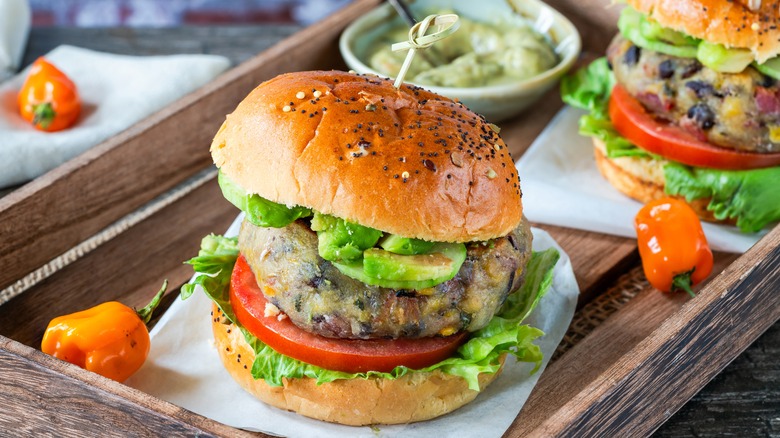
755	26
286	108
405	175
300	95
317	93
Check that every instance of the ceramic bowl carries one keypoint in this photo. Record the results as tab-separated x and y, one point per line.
496	102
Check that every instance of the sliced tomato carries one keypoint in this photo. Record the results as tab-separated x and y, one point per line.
348	355
633	122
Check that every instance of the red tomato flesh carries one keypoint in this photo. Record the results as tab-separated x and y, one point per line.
348	355
638	126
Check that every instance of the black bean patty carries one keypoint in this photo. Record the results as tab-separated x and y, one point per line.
318	298
734	110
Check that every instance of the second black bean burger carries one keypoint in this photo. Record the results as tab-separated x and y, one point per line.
687	103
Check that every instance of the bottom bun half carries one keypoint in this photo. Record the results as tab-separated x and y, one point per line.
415	396
643	179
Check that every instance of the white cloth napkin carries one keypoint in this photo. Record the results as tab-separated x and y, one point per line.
116	91
15	17
562	186
184	368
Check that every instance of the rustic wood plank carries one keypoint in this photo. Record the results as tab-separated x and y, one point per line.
597	259
743	400
56	211
43	396
129	268
682	348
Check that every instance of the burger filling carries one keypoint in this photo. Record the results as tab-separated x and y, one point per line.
321	299
732	110
338	279
721	96
474	288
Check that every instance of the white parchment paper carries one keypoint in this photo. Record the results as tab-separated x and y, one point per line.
116	92
184	368
562	186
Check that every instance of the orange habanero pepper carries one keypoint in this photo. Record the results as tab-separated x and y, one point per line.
110	339
48	98
675	254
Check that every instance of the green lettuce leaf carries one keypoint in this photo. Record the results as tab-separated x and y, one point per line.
504	334
214	266
589	88
750	196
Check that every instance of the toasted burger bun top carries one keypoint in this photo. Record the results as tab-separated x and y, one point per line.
731	23
407	162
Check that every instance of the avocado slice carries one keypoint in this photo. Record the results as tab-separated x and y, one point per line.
652	31
630	25
720	58
260	211
405	245
342	241
385	269
770	68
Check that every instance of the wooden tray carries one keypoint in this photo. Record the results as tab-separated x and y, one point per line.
626	377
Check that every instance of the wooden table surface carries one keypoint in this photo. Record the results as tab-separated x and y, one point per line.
743	401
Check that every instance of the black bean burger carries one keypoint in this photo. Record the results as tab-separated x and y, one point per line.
383	268
687	103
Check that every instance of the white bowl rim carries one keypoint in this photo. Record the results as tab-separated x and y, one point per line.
565	63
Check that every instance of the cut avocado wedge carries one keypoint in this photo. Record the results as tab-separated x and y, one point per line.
650	35
652	31
722	59
630	24
342	241
770	68
260	211
395	271
405	245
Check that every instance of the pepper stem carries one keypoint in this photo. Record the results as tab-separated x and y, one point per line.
146	313
43	115
683	282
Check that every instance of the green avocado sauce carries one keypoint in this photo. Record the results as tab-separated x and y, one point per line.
477	55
